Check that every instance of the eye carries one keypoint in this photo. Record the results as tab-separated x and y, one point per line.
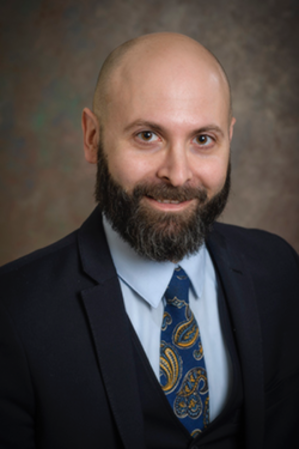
203	139
147	136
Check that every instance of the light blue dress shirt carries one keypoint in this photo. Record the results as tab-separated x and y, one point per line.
143	283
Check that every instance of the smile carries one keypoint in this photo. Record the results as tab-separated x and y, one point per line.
167	205
168	201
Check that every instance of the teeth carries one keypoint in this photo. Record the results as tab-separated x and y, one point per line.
168	202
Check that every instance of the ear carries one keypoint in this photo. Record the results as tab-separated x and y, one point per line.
91	133
231	128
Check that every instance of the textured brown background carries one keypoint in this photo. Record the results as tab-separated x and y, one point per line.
51	52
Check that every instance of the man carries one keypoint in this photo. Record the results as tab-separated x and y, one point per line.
150	327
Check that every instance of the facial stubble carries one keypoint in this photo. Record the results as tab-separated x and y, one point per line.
155	234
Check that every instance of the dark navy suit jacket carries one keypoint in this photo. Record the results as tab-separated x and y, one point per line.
67	377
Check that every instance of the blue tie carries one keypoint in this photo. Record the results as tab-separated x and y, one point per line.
183	375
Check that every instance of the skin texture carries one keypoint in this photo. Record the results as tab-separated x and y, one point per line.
164	117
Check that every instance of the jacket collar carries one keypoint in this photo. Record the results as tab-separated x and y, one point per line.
239	290
93	248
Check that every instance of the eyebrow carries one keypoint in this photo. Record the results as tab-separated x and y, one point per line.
144	123
214	128
158	128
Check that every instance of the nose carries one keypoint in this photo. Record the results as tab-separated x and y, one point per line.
175	168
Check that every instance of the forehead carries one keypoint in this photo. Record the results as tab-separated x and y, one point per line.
164	85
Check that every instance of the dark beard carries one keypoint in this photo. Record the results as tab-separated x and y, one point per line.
157	235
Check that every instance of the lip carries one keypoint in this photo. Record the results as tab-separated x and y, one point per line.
171	207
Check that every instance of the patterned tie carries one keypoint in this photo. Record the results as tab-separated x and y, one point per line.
183	373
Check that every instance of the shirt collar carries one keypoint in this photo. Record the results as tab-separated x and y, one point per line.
149	278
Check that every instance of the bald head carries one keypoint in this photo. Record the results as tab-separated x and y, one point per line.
161	127
158	55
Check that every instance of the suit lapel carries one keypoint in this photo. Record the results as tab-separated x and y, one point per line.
111	333
244	313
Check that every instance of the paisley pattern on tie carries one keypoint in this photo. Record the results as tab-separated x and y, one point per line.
183	375
198	353
188	401
185	334
166	321
171	366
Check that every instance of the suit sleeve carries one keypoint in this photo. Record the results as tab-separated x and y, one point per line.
16	392
282	398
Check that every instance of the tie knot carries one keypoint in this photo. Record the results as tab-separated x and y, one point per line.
178	288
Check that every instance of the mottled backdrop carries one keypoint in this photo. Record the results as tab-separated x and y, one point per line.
51	52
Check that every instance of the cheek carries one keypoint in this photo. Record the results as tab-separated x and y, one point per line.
128	170
212	175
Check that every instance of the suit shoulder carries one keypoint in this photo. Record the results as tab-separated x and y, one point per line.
254	240
42	279
39	257
239	232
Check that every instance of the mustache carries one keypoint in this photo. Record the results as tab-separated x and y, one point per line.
169	192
